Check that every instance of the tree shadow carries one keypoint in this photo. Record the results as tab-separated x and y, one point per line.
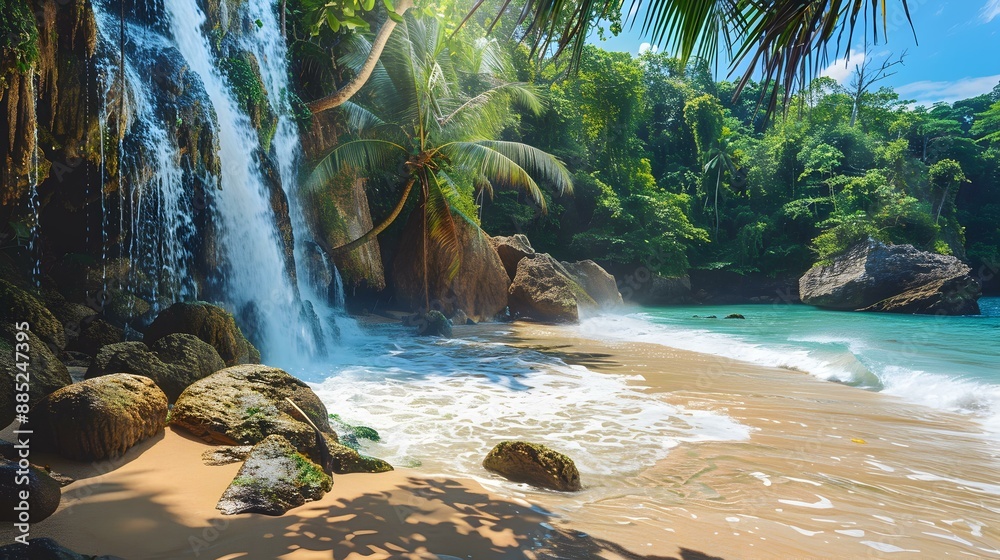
418	518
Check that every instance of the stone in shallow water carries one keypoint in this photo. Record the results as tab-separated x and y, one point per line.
274	479
534	464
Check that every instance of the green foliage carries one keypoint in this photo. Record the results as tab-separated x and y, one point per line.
18	36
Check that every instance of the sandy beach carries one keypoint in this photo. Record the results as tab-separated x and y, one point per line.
829	471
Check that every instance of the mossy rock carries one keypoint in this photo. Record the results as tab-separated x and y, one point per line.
534	464
17	305
208	322
173	363
46	372
43	548
241	405
347	460
274	479
100	418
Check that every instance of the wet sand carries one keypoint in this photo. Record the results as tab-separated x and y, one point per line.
828	471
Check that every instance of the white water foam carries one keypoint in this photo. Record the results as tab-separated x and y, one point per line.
977	399
445	404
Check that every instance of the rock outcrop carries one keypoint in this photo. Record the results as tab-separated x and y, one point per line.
274	479
45	549
511	249
545	289
534	464
18	305
241	405
208	322
872	276
100	418
173	363
46	373
479	288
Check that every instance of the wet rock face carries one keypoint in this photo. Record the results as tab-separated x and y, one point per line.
208	322
274	479
100	418
241	405
872	276
173	363
534	464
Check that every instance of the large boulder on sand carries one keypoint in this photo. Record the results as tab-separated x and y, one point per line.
534	464
872	276
44	493
174	362
274	479
99	418
241	405
511	249
480	287
208	322
545	289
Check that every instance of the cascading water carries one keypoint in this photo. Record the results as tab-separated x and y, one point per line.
33	248
156	203
256	275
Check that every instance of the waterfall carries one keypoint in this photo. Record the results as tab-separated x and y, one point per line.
33	202
157	211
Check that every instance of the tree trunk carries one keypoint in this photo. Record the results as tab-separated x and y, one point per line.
425	234
379	228
718	180
944	197
345	93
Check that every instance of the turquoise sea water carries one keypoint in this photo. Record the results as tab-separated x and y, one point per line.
951	363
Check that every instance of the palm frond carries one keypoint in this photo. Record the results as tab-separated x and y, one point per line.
440	227
497	167
540	164
366	156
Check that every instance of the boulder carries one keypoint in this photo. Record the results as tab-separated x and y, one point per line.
45	549
17	305
46	372
96	334
479	288
74	318
241	405
534	464
345	460
100	418
511	249
544	290
872	276
597	282
434	323
44	492
274	479
208	322
174	362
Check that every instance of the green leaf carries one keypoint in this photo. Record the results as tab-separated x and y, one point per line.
395	17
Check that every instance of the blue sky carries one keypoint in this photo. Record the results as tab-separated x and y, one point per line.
958	54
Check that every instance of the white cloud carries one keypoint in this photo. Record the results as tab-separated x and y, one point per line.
927	92
990	11
646	47
843	67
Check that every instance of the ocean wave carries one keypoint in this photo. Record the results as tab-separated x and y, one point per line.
834	358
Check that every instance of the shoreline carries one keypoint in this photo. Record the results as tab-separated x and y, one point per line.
824	473
829	470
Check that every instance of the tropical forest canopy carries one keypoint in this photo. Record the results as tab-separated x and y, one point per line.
669	169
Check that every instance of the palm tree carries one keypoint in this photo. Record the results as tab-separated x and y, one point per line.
719	159
415	116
